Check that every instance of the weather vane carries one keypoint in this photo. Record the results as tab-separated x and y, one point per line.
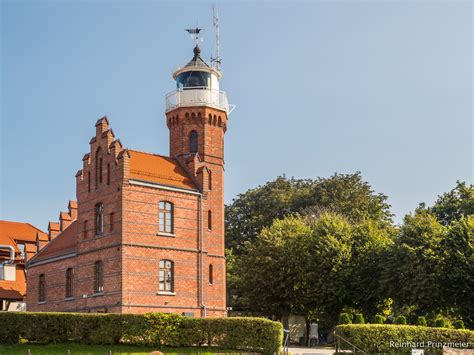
194	32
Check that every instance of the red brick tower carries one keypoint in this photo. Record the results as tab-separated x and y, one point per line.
197	114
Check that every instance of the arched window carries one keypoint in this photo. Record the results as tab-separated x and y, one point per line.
41	288
165	217
211	274
99	219
69	283
193	142
166	276
209	220
98	277
210	180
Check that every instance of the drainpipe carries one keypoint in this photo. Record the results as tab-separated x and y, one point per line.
12	255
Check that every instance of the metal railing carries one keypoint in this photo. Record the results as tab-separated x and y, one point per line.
355	349
197	96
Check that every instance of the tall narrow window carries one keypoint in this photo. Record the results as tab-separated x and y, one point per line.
85	229
69	282
165	217
112	222
209	220
89	181
41	288
98	277
211	274
210	180
99	219
166	276
193	142
98	168
108	173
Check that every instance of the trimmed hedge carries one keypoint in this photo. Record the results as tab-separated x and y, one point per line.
391	338
153	329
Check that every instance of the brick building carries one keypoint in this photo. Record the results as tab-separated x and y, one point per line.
148	231
19	242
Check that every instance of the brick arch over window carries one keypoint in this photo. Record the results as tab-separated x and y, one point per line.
193	141
165	217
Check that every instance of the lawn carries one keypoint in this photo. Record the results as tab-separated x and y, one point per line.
76	349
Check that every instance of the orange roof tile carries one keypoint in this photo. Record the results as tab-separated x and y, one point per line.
54	226
64	243
14	290
158	169
65	216
10	231
72	204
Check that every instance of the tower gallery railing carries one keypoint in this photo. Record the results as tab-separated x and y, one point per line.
197	96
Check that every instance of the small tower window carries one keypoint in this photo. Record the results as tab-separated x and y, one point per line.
41	288
108	173
85	229
99	219
210	180
89	181
111	221
211	274
193	142
69	283
98	277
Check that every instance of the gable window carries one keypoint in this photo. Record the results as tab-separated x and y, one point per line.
108	174
211	274
166	276
193	142
98	168
165	217
210	180
69	283
209	220
99	219
85	229
98	277
41	288
89	181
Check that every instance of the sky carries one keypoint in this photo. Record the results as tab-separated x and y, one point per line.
380	87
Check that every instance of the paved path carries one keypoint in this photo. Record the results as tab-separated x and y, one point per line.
293	350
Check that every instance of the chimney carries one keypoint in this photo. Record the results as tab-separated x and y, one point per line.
53	230
72	207
64	220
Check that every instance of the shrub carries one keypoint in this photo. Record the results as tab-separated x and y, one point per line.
359	319
344	318
458	324
379	319
421	321
441	322
401	320
382	338
153	329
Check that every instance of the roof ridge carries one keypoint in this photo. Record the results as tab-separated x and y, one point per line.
155	154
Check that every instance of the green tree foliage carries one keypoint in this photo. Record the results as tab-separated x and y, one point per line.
345	194
457	203
272	273
421	321
401	320
359	319
344	318
457	276
458	324
413	265
379	319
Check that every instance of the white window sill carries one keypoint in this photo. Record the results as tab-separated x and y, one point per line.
164	234
166	293
69	299
97	294
42	302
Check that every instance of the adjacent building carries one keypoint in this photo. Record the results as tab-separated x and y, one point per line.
147	232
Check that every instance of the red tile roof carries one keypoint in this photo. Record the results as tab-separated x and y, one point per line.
14	290
158	169
11	231
64	243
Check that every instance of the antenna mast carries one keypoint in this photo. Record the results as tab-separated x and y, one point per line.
215	19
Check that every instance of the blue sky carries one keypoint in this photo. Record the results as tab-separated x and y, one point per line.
381	87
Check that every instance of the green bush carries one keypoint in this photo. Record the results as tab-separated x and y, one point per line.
153	329
359	319
379	319
401	320
458	324
421	321
382	338
344	318
442	323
